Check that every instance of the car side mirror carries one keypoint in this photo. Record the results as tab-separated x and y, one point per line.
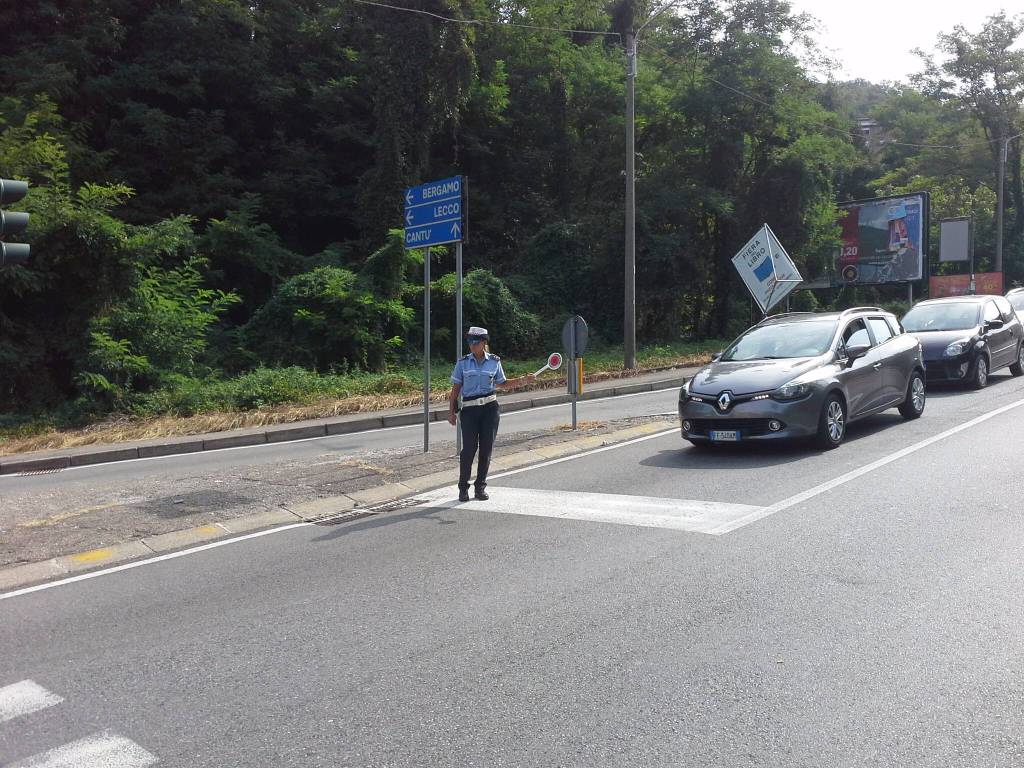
856	351
716	357
992	325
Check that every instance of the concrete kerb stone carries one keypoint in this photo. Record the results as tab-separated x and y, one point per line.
355	425
310	510
170	449
296	433
166	542
30	573
118	553
266	519
432	482
103	457
380	494
235	441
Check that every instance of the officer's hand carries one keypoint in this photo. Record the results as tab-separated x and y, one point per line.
451	418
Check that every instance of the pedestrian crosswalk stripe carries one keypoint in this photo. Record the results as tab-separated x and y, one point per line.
101	750
24	698
646	511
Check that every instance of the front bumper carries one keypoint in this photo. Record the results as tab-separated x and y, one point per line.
949	368
751	419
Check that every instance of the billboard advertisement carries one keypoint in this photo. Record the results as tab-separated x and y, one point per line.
883	240
959	285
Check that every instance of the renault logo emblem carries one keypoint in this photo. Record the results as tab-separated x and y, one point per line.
724	401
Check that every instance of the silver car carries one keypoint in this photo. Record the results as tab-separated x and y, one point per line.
805	374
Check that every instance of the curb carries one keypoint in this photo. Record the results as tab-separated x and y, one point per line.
30	574
286	433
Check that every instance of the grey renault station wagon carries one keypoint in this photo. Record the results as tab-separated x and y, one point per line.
805	374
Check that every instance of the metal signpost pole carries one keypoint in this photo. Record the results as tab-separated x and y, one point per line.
998	266
426	350
629	324
458	336
574	383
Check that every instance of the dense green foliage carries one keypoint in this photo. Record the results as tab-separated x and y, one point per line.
215	183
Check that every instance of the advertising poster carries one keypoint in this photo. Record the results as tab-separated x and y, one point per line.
883	240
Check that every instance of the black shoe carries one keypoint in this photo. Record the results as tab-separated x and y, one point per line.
463	495
481	496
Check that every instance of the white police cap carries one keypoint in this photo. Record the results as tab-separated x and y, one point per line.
476	330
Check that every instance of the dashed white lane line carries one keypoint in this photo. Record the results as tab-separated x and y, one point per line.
24	698
619	509
101	750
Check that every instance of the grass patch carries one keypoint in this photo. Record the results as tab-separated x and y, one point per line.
278	396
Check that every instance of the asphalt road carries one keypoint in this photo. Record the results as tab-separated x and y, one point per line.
342	445
856	607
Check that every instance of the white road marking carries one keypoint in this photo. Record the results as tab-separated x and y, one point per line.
827	486
151	560
24	698
101	750
645	511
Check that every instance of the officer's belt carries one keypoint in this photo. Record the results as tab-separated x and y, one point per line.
481	400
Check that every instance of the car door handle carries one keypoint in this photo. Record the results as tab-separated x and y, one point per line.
876	366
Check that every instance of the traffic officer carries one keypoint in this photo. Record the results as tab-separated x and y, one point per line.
476	377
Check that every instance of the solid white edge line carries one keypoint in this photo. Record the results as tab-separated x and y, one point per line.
827	486
257	446
150	560
24	698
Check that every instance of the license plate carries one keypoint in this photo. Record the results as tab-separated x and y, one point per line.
724	436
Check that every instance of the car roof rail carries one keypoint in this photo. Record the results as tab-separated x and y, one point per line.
783	314
861	309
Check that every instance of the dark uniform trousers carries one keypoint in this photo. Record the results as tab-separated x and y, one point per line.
479	428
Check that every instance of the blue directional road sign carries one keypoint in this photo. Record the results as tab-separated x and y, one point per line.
433	213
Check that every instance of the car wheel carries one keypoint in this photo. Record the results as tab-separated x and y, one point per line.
1018	366
913	405
979	377
832	423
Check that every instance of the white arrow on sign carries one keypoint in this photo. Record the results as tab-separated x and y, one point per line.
408	218
408	197
455	230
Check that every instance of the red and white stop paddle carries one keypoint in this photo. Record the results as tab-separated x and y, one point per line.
554	363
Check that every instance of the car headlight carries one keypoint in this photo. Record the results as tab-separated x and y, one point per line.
792	391
957	348
685	391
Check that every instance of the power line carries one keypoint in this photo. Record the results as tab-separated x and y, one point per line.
484	22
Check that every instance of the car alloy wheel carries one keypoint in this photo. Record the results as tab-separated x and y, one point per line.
913	405
980	373
832	424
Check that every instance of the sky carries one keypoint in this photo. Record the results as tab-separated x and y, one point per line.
873	39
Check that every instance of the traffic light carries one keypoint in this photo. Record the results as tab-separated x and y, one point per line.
11	223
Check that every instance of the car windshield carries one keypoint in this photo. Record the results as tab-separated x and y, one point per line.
1017	300
781	340
952	316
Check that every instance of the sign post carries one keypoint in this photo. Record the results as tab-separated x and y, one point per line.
434	215
574	340
767	271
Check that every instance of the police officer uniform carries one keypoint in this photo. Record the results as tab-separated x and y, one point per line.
480	415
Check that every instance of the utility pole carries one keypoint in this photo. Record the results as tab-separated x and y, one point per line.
629	324
1003	143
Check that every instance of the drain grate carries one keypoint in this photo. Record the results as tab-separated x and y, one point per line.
34	472
359	513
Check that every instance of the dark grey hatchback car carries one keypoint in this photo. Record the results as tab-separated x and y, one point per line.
965	338
805	374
